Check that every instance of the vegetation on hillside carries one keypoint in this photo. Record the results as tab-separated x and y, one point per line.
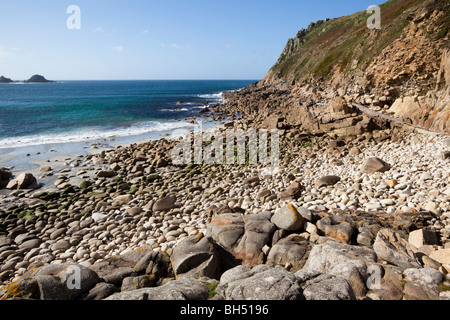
346	42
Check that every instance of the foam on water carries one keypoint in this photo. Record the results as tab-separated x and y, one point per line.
92	134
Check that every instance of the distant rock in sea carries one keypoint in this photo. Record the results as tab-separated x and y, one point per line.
38	78
5	80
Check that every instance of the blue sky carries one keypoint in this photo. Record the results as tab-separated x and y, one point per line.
170	39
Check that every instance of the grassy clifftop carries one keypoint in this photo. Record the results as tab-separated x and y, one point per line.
346	43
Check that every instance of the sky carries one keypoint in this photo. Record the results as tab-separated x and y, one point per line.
165	39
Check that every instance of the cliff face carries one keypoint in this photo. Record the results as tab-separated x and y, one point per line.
401	70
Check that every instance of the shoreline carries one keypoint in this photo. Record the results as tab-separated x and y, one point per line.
60	156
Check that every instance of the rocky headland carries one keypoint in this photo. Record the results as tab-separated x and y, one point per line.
358	208
5	80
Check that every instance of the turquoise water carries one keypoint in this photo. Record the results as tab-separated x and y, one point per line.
71	111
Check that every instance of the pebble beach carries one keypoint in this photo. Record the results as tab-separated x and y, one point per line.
118	201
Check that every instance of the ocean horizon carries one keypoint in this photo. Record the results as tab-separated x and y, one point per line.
33	114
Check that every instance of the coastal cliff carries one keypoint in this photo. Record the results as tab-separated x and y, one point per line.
330	70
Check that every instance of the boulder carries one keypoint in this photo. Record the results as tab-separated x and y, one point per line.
426	276
5	175
335	258
196	256
327	288
419	238
154	263
101	291
390	247
258	233
74	278
288	218
53	282
372	165
23	181
139	282
25	287
292	250
340	228
226	229
242	236
422	284
184	288
390	286
442	256
263	282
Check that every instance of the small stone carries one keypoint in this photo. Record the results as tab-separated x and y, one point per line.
392	183
134	211
123	199
61	245
106	174
164	204
327	181
372	165
354	151
251	180
430	206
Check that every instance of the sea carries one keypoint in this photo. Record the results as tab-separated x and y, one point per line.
34	114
